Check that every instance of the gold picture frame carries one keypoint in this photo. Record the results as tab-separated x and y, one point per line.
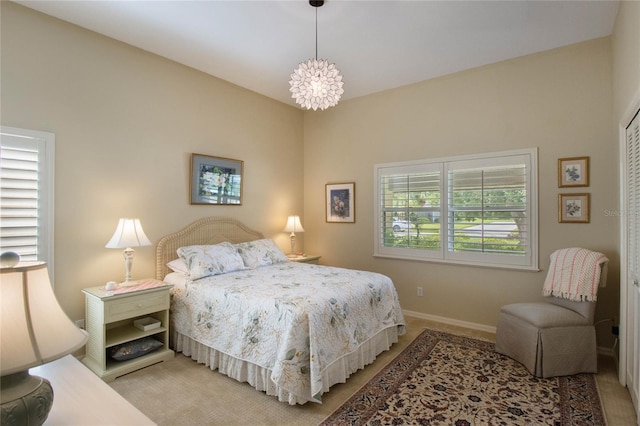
340	200
573	172
574	208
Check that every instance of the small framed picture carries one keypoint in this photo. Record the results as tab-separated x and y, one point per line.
573	172
573	208
340	199
215	180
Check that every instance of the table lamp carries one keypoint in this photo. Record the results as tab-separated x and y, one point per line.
293	225
35	330
128	234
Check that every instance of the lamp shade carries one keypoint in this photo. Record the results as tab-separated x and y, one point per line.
129	233
35	330
293	225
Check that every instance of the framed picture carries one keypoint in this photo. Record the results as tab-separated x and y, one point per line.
573	172
215	180
573	208
340	199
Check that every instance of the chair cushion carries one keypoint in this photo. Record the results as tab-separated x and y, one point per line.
545	315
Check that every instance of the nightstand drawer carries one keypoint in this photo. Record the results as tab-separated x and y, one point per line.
132	306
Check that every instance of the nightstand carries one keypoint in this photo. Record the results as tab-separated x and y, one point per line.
109	322
306	258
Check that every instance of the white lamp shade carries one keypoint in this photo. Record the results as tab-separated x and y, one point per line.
35	330
129	233
293	225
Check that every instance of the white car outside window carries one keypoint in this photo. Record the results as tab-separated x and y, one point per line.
401	225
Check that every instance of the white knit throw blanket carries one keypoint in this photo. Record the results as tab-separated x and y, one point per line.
574	274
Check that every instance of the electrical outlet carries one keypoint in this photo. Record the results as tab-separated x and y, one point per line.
420	291
79	323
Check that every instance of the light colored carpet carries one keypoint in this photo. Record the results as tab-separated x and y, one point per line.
182	392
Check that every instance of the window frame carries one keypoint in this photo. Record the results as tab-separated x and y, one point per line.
528	261
44	143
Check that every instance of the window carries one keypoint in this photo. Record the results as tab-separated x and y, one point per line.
26	193
477	210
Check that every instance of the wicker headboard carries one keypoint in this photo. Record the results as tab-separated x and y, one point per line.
208	230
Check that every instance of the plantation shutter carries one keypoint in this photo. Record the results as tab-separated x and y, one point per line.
408	197
495	195
26	182
473	209
489	209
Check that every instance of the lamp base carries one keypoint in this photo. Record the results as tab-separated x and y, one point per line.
25	399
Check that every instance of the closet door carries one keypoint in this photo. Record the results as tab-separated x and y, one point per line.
632	273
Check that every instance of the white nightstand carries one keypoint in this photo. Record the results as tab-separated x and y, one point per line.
109	321
306	258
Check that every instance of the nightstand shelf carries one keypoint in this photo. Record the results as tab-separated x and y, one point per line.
127	333
109	321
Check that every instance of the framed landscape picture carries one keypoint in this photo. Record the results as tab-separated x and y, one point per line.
216	180
573	172
340	199
573	208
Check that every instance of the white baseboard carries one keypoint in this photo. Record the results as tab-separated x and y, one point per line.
451	321
602	350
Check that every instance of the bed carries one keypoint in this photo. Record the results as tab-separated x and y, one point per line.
289	329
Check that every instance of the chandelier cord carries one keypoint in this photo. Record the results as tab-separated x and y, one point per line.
316	33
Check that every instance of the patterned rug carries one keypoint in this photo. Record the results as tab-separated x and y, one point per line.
442	379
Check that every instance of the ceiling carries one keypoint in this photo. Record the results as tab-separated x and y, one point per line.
377	45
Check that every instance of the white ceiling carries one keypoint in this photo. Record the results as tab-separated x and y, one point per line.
377	45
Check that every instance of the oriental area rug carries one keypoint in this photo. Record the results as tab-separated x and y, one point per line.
443	379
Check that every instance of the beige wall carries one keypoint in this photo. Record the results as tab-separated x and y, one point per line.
126	122
558	101
626	60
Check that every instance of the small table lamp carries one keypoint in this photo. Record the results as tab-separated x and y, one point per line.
35	330
128	234
293	225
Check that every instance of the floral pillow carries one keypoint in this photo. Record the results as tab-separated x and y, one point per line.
204	261
260	253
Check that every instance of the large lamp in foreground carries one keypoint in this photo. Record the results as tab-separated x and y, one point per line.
35	331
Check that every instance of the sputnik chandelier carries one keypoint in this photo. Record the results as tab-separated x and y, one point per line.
316	83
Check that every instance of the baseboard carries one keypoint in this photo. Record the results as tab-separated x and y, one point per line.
602	350
451	321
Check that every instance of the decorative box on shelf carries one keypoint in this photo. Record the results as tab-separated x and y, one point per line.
146	323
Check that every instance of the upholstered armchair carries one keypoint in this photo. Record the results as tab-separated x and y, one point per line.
557	337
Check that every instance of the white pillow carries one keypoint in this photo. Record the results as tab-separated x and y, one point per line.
260	253
204	261
178	265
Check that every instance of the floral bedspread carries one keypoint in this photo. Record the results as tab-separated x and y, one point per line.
293	318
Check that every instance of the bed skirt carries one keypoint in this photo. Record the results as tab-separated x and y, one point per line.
260	378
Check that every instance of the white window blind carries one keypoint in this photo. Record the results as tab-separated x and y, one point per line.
410	197
478	209
26	193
